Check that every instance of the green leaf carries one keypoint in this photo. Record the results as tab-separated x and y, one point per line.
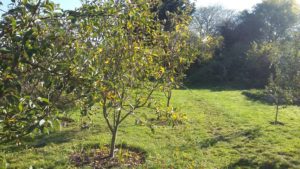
45	100
20	106
49	6
13	24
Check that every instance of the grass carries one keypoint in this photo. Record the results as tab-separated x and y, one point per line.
224	130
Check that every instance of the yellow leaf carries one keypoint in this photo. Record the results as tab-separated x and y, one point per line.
174	116
162	70
180	60
12	120
129	25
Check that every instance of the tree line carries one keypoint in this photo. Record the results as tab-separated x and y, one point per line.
256	48
231	38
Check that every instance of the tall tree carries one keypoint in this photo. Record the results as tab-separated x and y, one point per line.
269	21
206	25
168	10
207	20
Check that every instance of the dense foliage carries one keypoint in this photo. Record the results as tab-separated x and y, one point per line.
34	68
109	54
269	21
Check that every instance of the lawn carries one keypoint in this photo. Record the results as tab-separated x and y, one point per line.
224	130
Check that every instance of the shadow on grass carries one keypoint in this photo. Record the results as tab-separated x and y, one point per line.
219	87
250	134
60	137
43	140
258	97
123	145
97	156
278	123
55	138
247	163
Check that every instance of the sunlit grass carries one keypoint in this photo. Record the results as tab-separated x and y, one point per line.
224	130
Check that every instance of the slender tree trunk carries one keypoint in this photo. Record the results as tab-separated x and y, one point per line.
276	116
113	143
113	128
169	98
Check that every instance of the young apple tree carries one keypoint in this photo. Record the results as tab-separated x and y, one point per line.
122	58
284	84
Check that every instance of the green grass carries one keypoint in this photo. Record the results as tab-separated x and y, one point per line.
224	130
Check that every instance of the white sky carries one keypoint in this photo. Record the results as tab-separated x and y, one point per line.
229	4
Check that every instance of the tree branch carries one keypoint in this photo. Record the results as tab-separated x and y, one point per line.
106	115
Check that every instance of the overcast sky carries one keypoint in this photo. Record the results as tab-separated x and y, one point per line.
229	4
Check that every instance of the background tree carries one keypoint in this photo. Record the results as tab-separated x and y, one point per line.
283	86
179	53
206	25
174	15
207	20
168	10
269	21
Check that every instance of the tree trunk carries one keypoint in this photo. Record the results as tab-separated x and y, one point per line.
169	98
113	143
276	116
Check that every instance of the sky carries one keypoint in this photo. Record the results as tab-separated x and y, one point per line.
238	5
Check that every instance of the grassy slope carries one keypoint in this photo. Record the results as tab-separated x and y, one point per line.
225	130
